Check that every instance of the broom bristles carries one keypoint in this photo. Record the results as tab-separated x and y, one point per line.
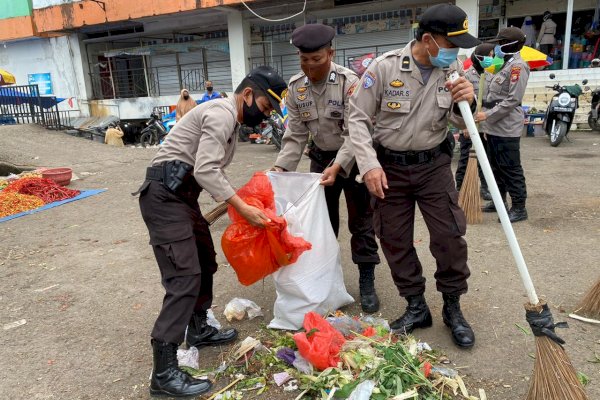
554	377
212	216
590	304
469	198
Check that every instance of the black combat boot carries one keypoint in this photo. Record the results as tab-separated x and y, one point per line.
200	333
517	213
462	334
369	301
167	379
489	207
485	193
417	315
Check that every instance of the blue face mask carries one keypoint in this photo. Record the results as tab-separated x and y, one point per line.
485	61
445	56
498	50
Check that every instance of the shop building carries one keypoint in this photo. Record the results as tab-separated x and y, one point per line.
112	57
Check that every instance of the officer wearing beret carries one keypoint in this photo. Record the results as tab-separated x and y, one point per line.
317	102
190	160
408	92
502	120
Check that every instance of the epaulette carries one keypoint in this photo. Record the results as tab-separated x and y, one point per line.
392	53
296	77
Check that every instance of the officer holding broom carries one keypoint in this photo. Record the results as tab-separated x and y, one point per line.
191	160
405	160
317	103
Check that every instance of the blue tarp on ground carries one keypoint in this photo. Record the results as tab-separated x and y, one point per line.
82	195
16	97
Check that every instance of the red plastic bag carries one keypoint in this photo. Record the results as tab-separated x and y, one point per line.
255	253
321	343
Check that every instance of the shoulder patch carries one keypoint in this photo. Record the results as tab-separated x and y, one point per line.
351	89
515	74
369	79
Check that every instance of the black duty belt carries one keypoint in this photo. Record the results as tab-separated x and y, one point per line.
176	176
322	157
405	158
491	104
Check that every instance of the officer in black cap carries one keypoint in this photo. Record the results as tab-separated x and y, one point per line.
502	118
317	102
190	160
407	93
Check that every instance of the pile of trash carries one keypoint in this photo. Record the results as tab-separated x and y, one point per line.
338	357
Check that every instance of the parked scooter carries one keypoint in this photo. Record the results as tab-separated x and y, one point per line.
594	115
154	132
561	111
273	129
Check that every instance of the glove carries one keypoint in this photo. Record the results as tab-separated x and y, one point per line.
537	46
542	324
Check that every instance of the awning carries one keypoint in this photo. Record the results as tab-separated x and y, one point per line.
11	96
169	48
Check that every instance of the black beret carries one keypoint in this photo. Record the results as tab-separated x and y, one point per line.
312	37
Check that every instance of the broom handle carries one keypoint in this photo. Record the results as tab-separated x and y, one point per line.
467	115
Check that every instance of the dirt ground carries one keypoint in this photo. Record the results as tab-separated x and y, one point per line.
84	278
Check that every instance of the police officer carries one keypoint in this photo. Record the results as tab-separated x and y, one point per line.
317	102
408	92
502	120
191	160
481	58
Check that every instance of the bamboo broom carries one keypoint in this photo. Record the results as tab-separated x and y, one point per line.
589	307
213	215
554	377
469	198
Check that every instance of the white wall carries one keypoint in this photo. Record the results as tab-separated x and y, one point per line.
135	108
60	56
48	3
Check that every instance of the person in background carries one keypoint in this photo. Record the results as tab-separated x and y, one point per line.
191	160
184	104
502	118
480	58
210	93
405	161
546	38
223	95
529	30
317	104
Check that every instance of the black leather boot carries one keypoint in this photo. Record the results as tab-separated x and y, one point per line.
485	194
417	315
369	301
167	379
462	334
517	213
200	334
489	207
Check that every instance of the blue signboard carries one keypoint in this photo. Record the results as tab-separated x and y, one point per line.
44	82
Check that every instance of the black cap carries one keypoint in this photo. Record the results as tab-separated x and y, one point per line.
450	21
510	34
312	37
271	83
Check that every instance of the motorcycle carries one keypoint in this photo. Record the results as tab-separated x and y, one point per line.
594	115
154	132
272	129
561	111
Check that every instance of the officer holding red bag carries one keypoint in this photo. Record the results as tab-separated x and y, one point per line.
190	160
